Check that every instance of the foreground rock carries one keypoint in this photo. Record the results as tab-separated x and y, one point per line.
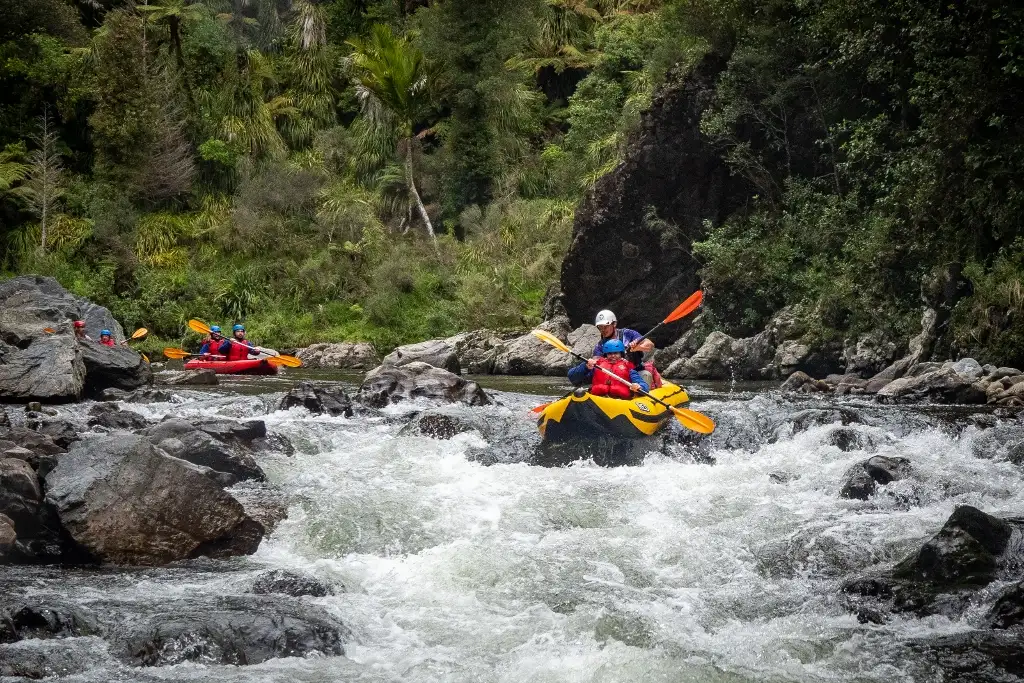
54	367
343	356
184	440
392	384
970	551
318	400
127	502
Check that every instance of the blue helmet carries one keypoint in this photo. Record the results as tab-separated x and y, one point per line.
215	329
105	332
614	346
236	328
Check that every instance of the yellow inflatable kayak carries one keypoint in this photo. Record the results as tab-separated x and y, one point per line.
592	416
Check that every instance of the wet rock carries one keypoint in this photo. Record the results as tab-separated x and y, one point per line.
967	550
289	583
234	630
184	440
61	432
949	383
48	369
8	535
236	432
147	395
803	420
1008	609
436	352
974	656
644	215
527	355
49	659
111	416
21	497
437	424
476	350
849	439
129	503
47	619
186	378
265	503
801	382
869	354
782	477
861	480
117	367
343	356
318	400
34	441
390	384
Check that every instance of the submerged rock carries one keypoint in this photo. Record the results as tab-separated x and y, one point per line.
443	425
391	384
342	356
318	400
861	480
289	583
127	502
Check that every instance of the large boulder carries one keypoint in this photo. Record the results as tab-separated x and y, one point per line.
476	350
390	384
36	529
951	382
436	352
48	369
343	356
184	440
318	400
527	355
54	367
722	357
127	502
630	249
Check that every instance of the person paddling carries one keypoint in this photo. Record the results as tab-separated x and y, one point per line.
211	345
613	360
636	346
238	347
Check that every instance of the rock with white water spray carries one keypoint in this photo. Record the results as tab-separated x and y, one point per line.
861	480
318	400
390	384
341	356
112	416
184	440
185	378
436	352
951	382
128	502
289	583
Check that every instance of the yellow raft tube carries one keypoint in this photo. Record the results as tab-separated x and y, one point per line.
592	416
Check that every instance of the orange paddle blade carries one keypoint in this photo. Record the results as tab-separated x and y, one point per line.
287	361
176	353
540	408
550	339
49	330
686	308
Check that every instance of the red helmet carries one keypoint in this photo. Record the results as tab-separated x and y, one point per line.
79	323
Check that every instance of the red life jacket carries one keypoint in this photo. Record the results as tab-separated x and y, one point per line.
603	385
109	342
238	351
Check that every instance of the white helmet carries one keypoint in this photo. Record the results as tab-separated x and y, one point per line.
605	317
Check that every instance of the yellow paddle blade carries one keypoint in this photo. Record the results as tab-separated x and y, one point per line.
287	361
689	306
551	339
198	326
140	333
694	421
176	353
144	357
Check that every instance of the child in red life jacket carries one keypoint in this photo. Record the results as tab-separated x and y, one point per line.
106	338
614	362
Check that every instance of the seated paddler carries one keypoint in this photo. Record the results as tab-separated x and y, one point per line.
613	361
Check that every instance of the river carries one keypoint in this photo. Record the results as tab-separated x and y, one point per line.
721	568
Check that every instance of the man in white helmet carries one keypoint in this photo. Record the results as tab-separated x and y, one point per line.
636	345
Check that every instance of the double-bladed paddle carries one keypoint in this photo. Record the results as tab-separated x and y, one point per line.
276	358
176	354
690	419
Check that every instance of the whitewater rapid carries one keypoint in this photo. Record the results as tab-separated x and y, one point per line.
677	570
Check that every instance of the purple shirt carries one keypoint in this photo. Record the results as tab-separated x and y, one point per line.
625	335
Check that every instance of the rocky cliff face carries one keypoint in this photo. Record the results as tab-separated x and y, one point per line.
631	238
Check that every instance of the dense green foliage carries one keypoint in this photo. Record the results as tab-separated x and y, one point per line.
284	162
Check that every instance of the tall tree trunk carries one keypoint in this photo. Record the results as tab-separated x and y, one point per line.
412	189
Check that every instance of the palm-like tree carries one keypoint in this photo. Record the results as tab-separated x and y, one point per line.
391	83
174	14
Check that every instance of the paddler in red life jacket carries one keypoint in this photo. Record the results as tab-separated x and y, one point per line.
106	338
238	348
211	345
636	346
612	359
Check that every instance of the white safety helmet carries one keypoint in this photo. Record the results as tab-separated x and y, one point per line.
605	317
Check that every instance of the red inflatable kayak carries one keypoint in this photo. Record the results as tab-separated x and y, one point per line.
234	367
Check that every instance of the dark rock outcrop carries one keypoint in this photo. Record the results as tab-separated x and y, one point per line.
289	583
48	369
111	416
184	440
632	232
113	367
128	502
318	400
391	384
442	424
